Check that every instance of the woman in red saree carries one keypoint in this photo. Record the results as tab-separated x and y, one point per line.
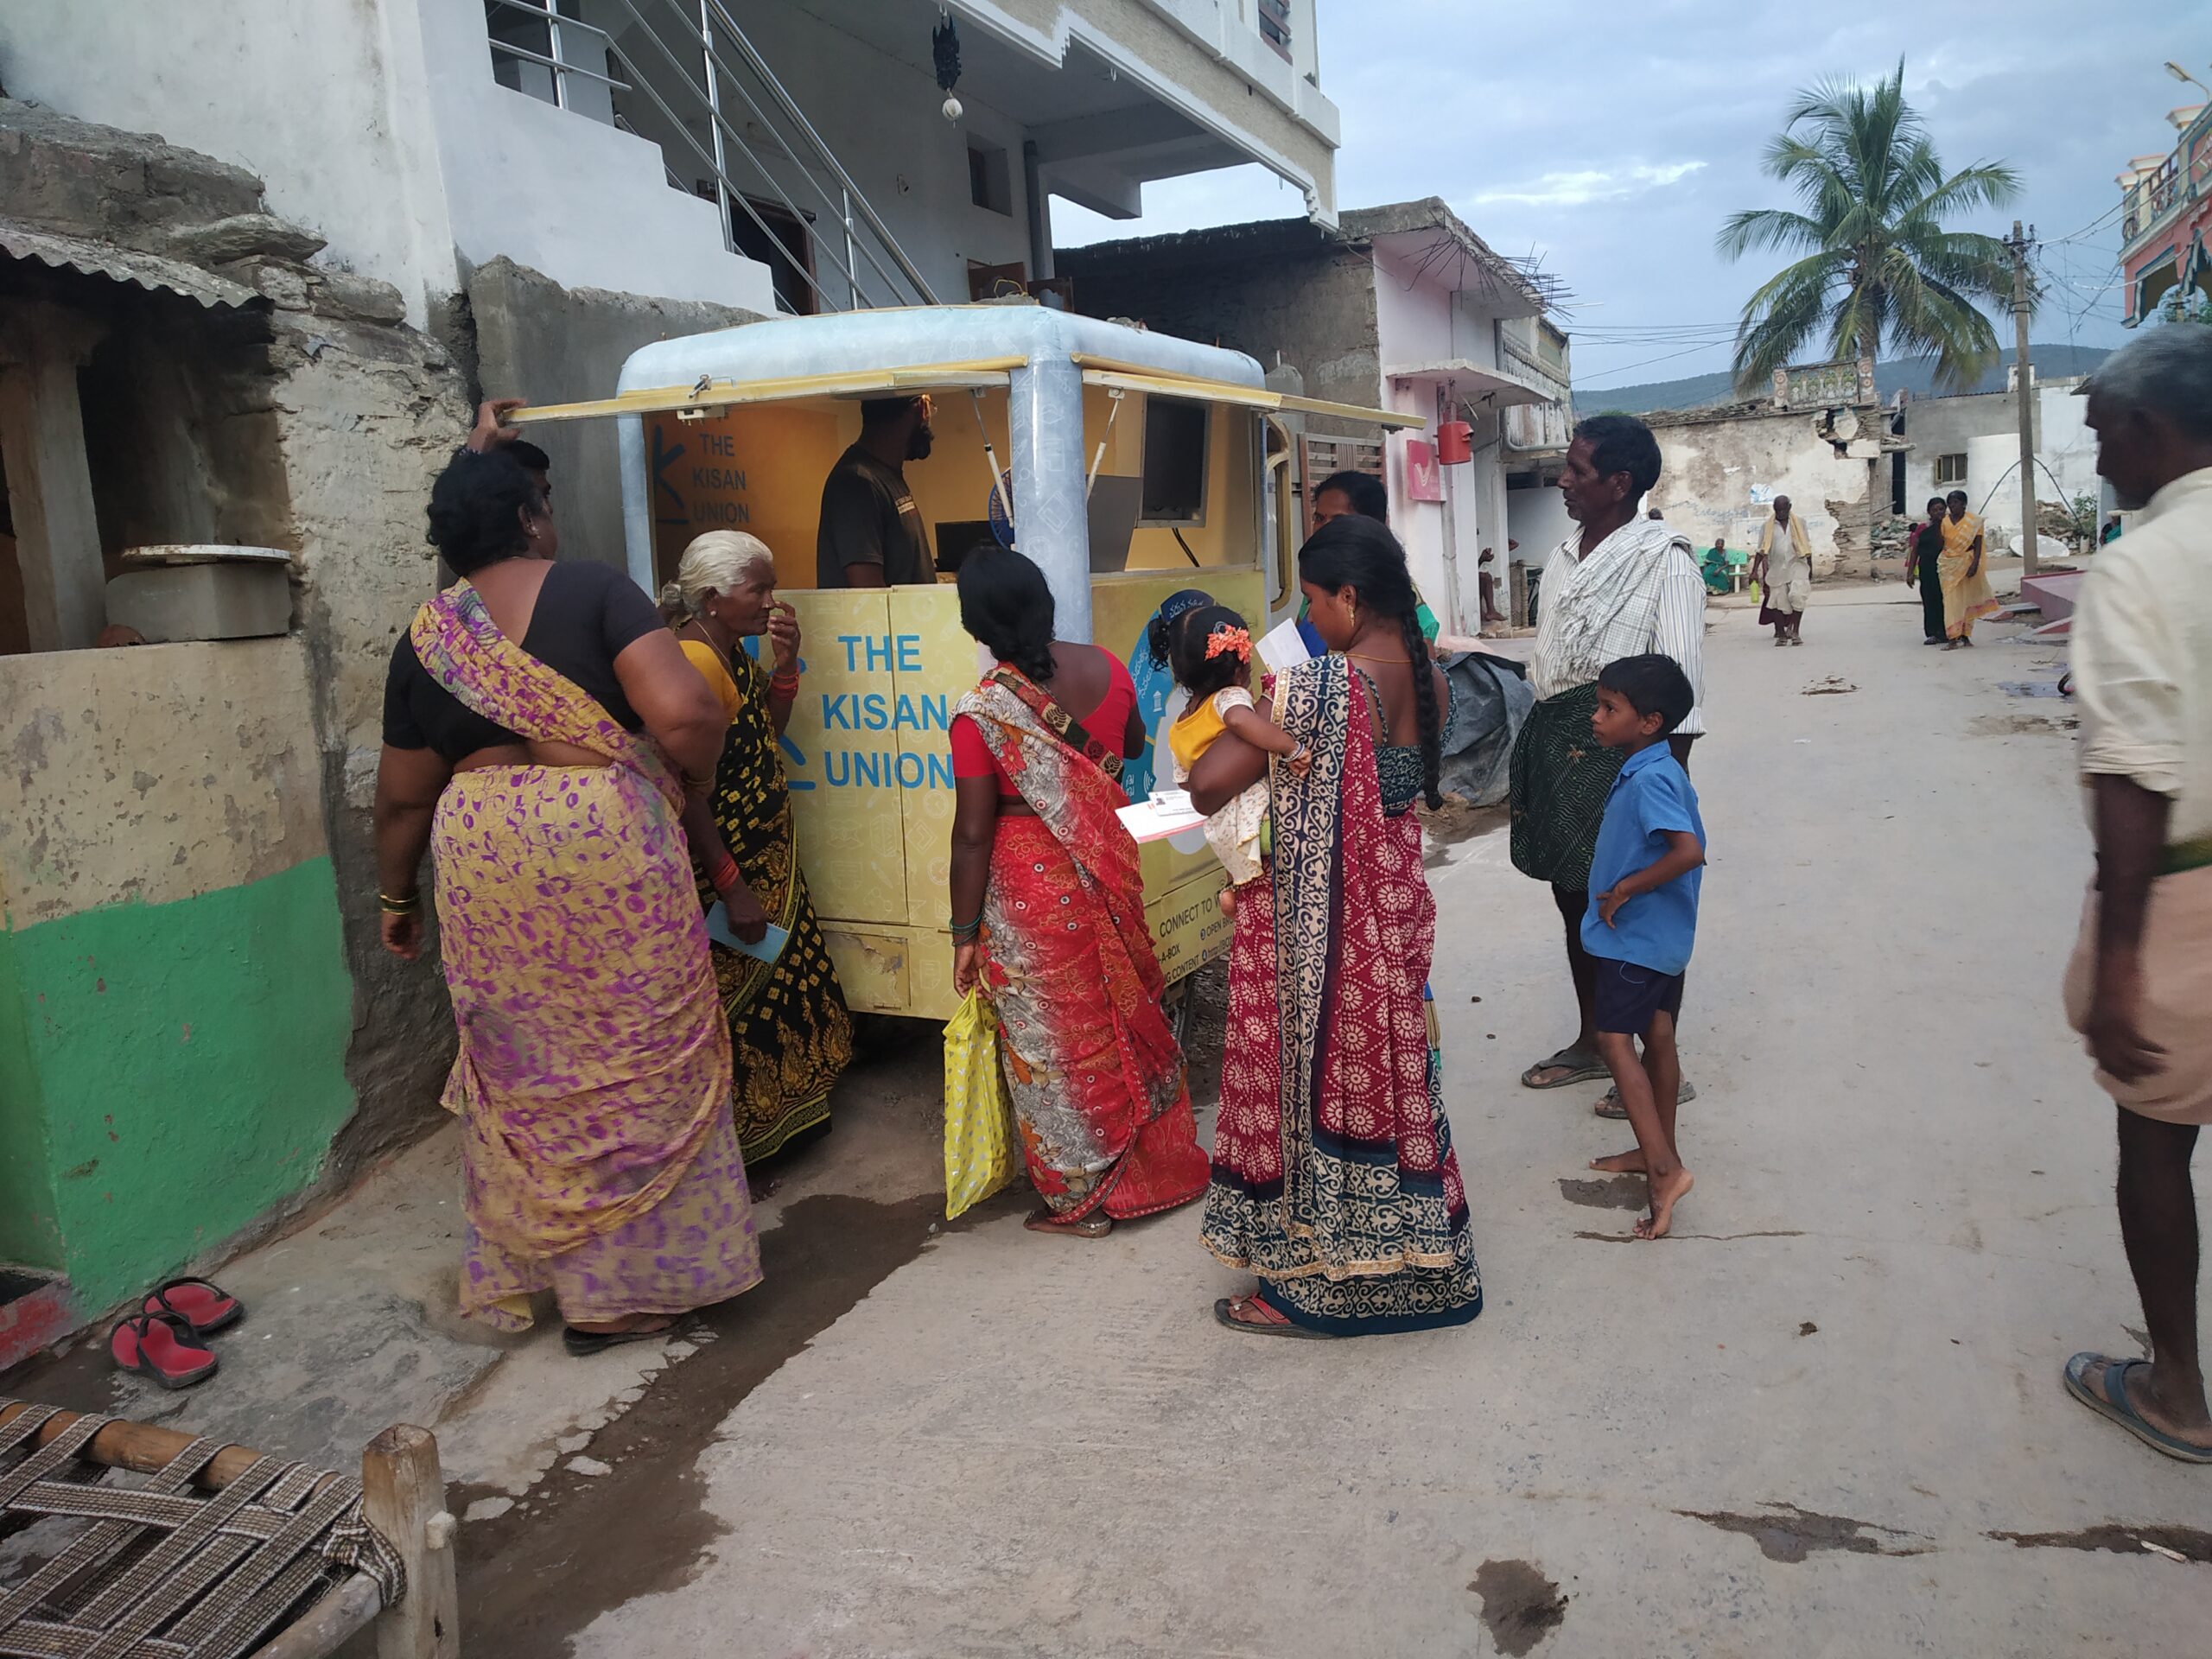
1334	1179
1048	914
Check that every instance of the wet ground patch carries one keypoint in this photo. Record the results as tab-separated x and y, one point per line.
2182	1543
1787	1533
1521	1606
1605	1191
582	1542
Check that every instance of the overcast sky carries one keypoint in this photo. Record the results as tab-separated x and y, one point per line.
1614	139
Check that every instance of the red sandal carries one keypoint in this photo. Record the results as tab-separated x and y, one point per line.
200	1303
160	1346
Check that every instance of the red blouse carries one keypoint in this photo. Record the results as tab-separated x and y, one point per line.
1109	723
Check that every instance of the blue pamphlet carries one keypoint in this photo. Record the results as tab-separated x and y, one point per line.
770	947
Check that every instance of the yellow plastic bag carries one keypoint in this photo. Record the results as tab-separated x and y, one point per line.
980	1154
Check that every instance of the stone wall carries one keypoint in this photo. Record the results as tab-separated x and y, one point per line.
1720	473
174	1004
537	339
303	414
1289	293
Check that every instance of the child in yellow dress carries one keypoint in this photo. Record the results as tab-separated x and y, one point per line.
1210	650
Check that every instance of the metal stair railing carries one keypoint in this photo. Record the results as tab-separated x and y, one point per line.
717	68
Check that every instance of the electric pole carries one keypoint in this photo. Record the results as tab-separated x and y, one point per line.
2024	390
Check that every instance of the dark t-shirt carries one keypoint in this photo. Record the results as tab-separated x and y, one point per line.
586	616
868	517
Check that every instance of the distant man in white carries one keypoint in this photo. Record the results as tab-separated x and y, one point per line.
1783	567
2139	985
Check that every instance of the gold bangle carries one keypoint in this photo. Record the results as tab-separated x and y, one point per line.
402	907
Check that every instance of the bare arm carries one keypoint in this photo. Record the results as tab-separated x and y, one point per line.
1682	856
677	708
865	576
784	645
409	783
1260	732
975	827
1226	770
2130	837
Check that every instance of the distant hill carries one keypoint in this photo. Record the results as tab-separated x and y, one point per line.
1914	375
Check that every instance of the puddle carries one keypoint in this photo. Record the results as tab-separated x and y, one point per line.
1789	1534
642	1527
1521	1606
2191	1543
2029	688
1605	1192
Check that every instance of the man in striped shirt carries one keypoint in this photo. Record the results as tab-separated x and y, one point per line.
1621	586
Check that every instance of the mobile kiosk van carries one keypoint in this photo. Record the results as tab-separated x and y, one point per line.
1127	464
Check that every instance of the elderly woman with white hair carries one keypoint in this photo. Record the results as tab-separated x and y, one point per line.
791	1033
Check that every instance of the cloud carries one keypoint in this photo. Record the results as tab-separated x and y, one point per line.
1575	189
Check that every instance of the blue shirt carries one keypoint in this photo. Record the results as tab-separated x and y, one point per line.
1651	800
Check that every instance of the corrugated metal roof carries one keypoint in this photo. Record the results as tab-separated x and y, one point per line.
120	264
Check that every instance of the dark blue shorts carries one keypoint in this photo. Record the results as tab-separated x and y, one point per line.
1628	995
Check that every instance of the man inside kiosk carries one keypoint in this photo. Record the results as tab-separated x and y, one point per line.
871	534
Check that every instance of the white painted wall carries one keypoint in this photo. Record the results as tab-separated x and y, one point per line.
325	99
883	120
1537	519
554	189
1419	320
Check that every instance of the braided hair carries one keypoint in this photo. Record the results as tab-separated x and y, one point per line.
1159	632
1006	605
1358	553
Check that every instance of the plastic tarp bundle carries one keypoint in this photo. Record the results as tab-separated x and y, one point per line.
1491	697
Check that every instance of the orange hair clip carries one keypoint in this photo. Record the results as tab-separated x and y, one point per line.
1221	640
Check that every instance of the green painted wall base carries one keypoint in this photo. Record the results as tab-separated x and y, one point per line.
177	1069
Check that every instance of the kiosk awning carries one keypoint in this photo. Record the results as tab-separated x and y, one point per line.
707	394
1112	377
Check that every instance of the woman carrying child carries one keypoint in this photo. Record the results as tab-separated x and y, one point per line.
1048	913
1333	1174
1210	651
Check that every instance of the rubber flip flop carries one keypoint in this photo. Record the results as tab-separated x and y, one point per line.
200	1303
1580	1071
1609	1105
1224	1310
160	1346
2118	1409
583	1343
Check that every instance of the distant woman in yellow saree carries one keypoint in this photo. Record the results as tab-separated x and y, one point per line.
536	718
1966	593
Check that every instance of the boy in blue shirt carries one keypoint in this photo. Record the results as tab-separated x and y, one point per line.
1643	915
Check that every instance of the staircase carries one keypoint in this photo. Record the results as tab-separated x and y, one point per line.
682	74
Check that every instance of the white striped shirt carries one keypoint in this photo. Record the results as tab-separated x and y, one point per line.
1677	629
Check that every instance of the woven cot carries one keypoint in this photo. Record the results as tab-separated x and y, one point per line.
202	1556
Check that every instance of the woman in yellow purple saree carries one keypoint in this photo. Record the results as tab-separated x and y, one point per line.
534	762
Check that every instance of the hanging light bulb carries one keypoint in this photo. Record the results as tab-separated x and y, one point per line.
944	53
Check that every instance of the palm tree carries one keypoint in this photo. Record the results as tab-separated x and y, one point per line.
1879	271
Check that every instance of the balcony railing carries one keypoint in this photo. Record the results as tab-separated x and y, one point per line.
2184	175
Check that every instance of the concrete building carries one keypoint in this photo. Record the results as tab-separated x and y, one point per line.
1401	307
2165	250
266	329
1819	437
1973	444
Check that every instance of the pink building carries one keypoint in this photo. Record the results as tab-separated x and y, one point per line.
2166	236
